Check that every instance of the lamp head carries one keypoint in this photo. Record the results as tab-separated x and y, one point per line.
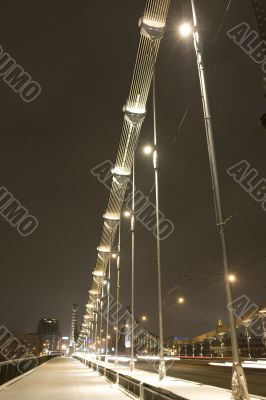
232	278
127	214
185	29
147	149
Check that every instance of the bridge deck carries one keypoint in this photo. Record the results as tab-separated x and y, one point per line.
62	379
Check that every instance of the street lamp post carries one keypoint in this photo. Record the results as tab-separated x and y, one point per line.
162	368
248	341
96	321
154	150
201	349
84	349
239	384
117	291
101	316
108	310
133	224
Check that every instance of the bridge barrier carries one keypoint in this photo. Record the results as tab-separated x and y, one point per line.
134	387
14	368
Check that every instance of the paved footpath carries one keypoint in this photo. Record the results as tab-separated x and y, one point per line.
62	379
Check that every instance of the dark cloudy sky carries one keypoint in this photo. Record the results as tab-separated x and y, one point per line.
82	53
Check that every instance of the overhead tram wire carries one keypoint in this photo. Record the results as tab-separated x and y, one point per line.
222	22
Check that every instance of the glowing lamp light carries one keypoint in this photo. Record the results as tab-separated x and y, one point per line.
127	214
98	273
232	278
185	29
114	255
103	249
135	110
147	149
111	216
181	300
117	170
155	24
144	318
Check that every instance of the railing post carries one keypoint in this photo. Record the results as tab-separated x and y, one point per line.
117	378
141	391
6	379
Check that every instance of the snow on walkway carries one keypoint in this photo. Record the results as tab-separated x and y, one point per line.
62	379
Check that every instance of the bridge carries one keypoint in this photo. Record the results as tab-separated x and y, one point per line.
113	355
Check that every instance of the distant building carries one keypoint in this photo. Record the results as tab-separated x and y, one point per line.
64	345
49	335
31	342
216	343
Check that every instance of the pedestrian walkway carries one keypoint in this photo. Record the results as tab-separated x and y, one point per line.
62	379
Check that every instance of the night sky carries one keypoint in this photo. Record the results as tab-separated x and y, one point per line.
82	53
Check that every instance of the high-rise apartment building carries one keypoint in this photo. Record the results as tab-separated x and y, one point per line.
49	335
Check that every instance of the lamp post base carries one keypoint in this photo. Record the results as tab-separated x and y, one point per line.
132	365
239	383
162	370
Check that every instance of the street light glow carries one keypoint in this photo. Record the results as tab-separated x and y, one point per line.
144	318
231	278
185	29
114	255
181	300
147	149
127	214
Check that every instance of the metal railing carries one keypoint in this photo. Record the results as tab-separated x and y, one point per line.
13	368
111	375
136	388
131	385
